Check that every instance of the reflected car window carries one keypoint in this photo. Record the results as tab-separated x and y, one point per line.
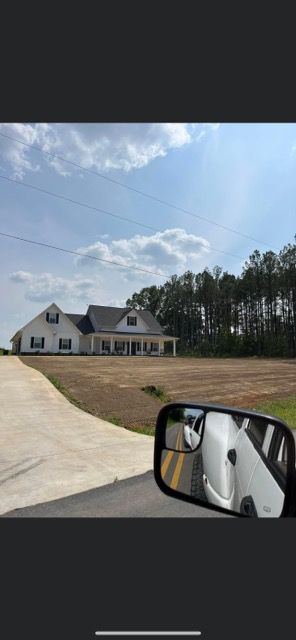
238	420
278	453
257	428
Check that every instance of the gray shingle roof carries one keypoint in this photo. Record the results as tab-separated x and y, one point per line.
106	318
82	322
150	320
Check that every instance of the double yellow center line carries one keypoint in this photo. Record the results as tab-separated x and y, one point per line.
178	468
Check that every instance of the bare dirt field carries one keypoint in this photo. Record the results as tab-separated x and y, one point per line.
110	386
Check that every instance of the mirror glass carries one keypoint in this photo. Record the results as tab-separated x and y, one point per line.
184	428
231	461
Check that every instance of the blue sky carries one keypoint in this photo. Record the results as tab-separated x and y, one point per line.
238	175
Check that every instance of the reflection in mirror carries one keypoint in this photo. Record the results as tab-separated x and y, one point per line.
183	429
235	462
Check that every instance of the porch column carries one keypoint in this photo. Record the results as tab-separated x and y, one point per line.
174	348
111	344
142	346
159	347
92	344
130	350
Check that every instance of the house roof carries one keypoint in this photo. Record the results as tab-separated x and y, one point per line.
149	319
107	318
82	322
40	316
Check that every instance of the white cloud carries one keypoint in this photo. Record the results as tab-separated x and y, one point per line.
95	146
169	251
116	302
47	287
212	125
21	158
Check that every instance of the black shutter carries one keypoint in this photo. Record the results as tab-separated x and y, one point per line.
70	343
47	317
60	343
42	343
103	345
57	318
115	345
32	343
128	321
151	343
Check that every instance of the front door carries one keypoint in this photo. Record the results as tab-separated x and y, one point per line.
134	348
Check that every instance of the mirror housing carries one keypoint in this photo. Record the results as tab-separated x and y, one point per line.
202	451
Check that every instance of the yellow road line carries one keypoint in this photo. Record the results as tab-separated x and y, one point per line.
177	472
166	463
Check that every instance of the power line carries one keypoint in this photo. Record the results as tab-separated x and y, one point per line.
84	255
108	213
138	191
80	204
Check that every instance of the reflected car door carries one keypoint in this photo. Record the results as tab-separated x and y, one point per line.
267	485
259	476
246	459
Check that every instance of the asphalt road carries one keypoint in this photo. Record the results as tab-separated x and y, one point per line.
182	470
50	449
134	497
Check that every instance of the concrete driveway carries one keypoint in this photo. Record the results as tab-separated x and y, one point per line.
49	449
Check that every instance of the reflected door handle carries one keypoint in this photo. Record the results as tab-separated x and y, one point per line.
231	455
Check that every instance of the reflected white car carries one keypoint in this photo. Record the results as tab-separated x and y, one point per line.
192	432
244	466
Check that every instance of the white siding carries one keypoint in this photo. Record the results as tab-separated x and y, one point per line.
141	327
85	344
50	332
37	329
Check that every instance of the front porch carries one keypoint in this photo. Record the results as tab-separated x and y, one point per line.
126	345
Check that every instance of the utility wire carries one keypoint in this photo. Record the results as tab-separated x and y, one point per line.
84	255
80	204
138	191
108	213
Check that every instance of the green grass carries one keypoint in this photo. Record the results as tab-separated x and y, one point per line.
156	392
284	409
60	387
170	422
146	430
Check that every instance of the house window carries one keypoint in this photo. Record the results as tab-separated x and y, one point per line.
65	344
37	343
105	345
131	321
139	346
145	346
154	346
52	318
119	345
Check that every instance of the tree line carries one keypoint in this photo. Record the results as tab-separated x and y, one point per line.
217	313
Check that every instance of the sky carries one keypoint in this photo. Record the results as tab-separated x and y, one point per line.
240	176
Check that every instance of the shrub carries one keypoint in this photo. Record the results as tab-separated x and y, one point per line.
156	392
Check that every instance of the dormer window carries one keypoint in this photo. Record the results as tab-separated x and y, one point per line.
52	318
131	321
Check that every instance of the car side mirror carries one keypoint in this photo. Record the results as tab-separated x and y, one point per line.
227	459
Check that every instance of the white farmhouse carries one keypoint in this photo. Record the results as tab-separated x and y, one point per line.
102	330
